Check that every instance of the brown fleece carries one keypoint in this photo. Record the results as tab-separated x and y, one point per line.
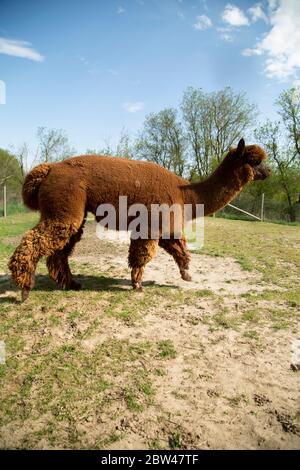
178	249
63	193
58	266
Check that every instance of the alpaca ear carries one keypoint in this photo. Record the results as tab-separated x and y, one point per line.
240	148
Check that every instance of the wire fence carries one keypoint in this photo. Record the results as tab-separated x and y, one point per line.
259	208
244	207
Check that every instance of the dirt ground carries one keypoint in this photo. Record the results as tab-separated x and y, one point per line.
182	365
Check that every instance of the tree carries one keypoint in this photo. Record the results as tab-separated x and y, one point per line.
124	148
10	171
287	172
162	141
289	110
214	122
10	176
21	154
53	145
196	115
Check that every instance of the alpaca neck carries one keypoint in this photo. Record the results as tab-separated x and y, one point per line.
217	190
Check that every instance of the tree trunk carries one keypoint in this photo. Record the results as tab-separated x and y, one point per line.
291	209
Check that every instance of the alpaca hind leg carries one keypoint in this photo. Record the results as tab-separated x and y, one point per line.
58	266
178	249
44	239
140	253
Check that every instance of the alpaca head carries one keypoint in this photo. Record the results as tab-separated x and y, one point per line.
249	161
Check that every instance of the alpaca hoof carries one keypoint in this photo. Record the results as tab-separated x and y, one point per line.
137	287
25	293
185	276
74	285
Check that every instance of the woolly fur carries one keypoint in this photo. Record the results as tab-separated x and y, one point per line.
64	192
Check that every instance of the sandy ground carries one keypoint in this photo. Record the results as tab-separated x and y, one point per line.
221	390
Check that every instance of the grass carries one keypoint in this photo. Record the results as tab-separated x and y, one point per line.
175	440
81	367
271	249
166	349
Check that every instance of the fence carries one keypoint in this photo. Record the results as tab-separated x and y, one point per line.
261	218
245	206
10	201
259	207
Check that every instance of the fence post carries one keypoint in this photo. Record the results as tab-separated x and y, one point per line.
4	201
262	207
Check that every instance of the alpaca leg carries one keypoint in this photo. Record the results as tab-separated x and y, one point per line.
140	253
44	239
58	266
178	249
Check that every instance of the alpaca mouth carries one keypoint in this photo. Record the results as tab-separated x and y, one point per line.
261	172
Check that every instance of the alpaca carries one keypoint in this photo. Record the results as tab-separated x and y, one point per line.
64	192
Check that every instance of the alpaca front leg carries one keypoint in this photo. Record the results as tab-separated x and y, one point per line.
136	278
178	249
140	253
43	240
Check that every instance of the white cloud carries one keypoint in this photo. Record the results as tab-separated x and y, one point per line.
234	16
257	13
19	49
226	34
273	4
133	106
281	44
120	10
250	52
203	22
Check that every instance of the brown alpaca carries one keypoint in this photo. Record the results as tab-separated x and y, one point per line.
64	192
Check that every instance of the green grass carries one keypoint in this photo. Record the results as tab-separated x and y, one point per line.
10	227
166	349
175	440
265	247
17	224
82	363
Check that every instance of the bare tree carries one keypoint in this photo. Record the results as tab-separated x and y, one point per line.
21	154
162	141
53	145
124	146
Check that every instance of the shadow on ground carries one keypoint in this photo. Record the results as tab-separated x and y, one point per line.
88	283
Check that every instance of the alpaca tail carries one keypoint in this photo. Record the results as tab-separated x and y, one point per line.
32	184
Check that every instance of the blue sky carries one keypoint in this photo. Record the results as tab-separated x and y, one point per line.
94	67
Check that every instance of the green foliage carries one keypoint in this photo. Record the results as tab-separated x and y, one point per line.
162	140
281	140
10	176
213	123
